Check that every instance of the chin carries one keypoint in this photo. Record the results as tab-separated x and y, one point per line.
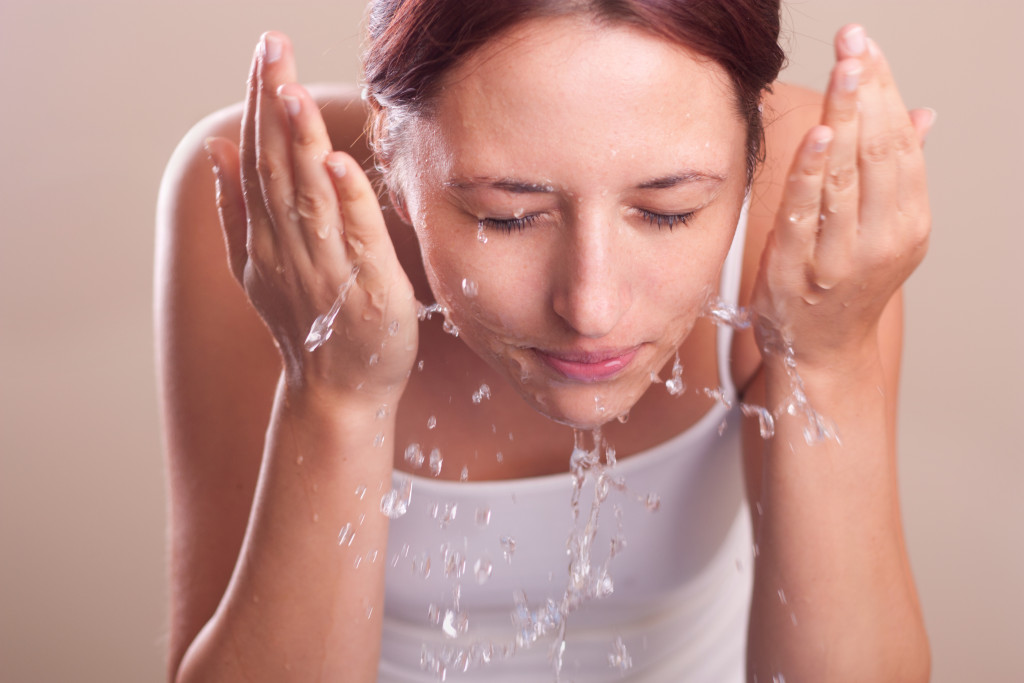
580	406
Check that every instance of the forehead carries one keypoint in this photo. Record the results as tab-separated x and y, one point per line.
574	88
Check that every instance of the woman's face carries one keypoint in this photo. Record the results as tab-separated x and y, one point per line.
575	191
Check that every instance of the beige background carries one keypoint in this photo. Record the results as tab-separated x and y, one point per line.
96	94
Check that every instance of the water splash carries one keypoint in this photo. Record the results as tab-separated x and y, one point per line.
323	326
817	428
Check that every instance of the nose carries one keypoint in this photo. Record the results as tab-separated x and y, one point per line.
592	290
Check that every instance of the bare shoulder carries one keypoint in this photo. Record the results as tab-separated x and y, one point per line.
789	112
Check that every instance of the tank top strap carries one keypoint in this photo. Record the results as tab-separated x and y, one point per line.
729	292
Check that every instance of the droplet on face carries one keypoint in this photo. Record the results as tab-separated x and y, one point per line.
431	422
469	288
481	235
435	462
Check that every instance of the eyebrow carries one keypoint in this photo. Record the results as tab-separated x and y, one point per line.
515	186
682	178
507	184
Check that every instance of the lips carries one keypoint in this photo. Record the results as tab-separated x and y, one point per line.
588	366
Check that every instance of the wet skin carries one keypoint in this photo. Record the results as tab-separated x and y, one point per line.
606	171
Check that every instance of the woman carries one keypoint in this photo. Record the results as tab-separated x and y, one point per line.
582	180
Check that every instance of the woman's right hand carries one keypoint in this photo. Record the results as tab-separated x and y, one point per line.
302	223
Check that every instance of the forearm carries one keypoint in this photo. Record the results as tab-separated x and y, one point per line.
300	605
834	597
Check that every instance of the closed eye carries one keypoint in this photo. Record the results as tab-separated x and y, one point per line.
508	224
662	220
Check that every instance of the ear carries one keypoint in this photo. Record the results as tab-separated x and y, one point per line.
398	202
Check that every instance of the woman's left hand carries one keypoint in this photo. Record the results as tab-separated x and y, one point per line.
854	218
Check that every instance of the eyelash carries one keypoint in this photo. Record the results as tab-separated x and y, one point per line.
658	220
508	225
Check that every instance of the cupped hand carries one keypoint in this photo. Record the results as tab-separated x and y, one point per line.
854	219
303	225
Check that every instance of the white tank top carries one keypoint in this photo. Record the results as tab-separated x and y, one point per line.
682	583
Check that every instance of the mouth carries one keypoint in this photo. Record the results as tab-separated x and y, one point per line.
588	366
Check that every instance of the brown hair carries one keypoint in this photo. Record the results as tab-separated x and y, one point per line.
413	43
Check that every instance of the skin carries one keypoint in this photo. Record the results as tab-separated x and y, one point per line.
587	275
267	441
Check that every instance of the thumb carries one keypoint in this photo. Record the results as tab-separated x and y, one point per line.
230	202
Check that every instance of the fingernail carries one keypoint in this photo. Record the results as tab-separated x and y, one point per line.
852	78
337	167
271	48
854	41
291	103
821	144
935	116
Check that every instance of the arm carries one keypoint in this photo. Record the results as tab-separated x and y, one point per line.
834	598
295	598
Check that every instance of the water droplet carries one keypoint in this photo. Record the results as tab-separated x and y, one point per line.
480	394
481	236
619	657
393	328
464	475
675	385
469	288
378	441
344	534
782	596
518	213
419	366
360	492
374	359
499	457
624	418
414	455
431	422
652	502
421	565
766	422
482	568
451	328
383	411
395	503
435	462
299	460
508	548
483	516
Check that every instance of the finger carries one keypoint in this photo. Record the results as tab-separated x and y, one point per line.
230	201
273	144
842	183
798	218
923	120
247	145
362	223
888	144
316	200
